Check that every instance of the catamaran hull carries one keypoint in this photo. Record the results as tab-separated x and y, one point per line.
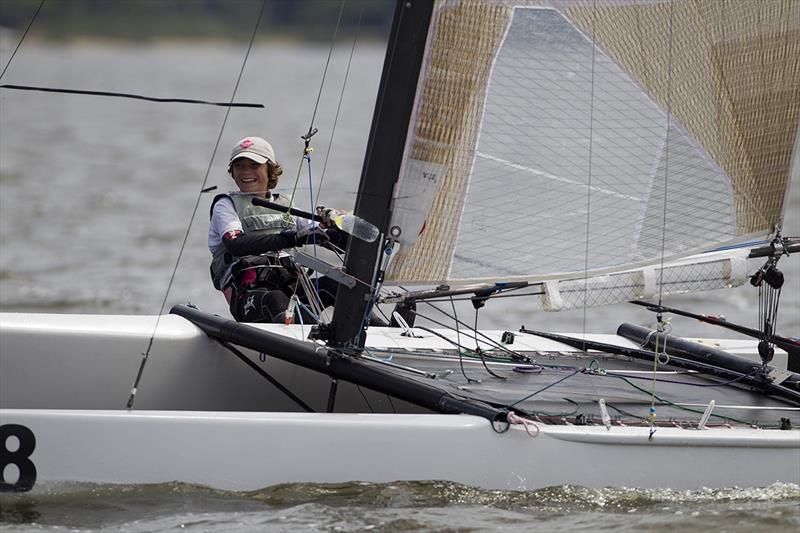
248	451
90	361
203	416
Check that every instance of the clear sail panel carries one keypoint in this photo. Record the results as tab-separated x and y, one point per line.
573	139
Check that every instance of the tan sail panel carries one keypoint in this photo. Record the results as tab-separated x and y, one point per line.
563	140
449	107
728	71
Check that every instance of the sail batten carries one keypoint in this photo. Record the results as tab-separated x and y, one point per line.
574	138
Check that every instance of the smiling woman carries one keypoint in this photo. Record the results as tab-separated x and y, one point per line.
260	280
253	166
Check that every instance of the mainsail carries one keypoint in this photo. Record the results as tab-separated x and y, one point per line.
595	144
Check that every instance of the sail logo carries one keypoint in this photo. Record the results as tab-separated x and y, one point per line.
250	304
429	176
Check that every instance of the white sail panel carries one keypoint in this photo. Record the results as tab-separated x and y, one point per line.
413	198
587	137
704	272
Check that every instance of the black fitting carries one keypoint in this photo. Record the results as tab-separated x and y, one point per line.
766	351
321	332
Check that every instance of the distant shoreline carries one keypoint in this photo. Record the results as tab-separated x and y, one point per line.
9	41
10	37
195	20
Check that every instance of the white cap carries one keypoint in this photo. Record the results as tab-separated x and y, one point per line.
254	148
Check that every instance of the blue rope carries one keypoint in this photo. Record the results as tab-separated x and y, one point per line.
307	157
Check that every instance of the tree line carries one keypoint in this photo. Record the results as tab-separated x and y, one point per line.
144	20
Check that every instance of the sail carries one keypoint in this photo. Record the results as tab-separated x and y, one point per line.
596	141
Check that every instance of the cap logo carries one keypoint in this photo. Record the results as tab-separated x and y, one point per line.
247	143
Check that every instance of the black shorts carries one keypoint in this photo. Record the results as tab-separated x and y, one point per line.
260	304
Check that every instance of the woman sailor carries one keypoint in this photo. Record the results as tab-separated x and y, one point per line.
247	242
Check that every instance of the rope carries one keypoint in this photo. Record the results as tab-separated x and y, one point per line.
36	14
339	105
311	130
307	158
375	287
128	95
589	177
311	293
308	149
515	356
652	413
458	344
146	353
666	158
531	395
589	187
479	351
768	301
667	402
514	418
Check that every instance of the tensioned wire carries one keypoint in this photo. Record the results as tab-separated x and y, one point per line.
104	93
663	213
146	353
22	38
589	179
306	152
306	155
338	108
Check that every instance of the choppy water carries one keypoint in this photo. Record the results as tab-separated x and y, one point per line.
95	198
407	506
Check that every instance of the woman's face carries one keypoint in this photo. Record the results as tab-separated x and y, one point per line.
249	175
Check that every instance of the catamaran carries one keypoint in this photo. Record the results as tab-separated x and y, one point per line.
569	153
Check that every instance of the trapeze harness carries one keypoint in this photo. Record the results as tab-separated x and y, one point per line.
255	286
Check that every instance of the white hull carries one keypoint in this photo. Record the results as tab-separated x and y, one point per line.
90	362
247	451
202	416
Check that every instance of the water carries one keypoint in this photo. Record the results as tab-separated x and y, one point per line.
407	506
95	198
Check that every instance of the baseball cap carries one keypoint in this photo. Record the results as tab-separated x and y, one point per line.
254	148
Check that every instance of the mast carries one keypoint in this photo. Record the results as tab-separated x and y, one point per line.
384	155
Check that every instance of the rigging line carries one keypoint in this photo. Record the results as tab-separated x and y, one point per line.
314	233
479	351
589	177
670	37
516	356
672	404
10	59
726	419
500	294
307	137
666	153
458	341
381	263
366	401
531	395
264	374
129	95
754	373
146	353
327	62
339	106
